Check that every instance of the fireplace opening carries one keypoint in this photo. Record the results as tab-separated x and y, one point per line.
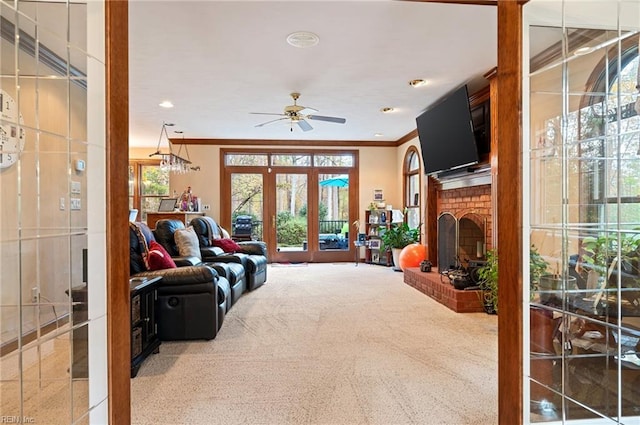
460	241
447	246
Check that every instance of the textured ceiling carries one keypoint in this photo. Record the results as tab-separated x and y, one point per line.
218	61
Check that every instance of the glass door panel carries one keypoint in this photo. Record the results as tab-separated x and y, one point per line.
247	199
291	212
333	212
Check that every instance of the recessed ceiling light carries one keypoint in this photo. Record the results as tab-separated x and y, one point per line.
303	39
166	104
417	83
386	110
378	135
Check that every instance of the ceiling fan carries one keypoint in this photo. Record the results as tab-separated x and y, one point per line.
296	115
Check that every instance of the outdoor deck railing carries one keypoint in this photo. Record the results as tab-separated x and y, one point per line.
325	226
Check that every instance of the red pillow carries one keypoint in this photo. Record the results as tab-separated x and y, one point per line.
158	258
227	245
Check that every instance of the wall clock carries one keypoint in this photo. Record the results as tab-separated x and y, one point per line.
11	131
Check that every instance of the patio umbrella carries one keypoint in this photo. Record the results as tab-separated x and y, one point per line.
339	181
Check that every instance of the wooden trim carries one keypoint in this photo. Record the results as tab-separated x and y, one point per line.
464	2
491	73
493	157
479	97
117	160
431	220
12	345
268	173
301	143
407	137
510	315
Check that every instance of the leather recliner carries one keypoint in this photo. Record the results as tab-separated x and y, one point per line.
191	302
253	256
229	268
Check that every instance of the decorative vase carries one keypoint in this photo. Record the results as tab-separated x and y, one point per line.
395	252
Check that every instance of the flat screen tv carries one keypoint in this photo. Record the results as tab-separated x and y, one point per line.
445	131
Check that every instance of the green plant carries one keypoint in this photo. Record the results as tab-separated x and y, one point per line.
537	267
599	252
399	236
488	274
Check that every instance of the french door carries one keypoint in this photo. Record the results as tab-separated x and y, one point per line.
301	211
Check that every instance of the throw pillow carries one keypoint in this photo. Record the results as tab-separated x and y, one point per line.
158	258
148	234
137	249
224	232
227	245
187	242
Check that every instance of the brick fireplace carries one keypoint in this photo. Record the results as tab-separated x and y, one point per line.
459	222
470	209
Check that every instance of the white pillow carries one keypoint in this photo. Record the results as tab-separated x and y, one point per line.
187	242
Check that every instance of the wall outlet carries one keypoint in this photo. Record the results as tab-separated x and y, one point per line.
206	207
35	294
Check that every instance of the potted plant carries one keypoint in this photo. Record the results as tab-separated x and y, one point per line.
488	274
537	268
397	237
601	252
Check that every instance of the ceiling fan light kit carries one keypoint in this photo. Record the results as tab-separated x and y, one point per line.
295	114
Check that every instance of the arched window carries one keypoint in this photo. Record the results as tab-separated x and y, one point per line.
611	121
412	196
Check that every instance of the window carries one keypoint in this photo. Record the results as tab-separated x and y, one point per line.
412	187
584	222
148	184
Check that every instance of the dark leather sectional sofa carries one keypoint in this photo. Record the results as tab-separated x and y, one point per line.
194	298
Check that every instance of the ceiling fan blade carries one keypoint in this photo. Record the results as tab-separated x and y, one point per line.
304	108
267	113
269	122
305	126
329	119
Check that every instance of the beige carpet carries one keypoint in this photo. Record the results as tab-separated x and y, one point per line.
328	344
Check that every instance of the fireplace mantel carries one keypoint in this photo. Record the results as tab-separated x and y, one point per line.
464	178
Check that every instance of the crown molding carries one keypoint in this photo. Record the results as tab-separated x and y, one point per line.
268	142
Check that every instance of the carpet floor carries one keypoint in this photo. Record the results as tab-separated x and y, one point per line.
328	344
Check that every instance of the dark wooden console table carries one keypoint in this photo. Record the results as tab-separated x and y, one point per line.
185	217
144	329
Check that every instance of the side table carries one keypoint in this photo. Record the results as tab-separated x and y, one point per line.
144	329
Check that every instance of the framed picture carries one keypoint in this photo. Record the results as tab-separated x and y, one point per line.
374	244
375	257
378	195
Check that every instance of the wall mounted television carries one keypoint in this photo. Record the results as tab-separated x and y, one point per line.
446	136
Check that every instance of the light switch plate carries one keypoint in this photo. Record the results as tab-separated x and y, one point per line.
76	187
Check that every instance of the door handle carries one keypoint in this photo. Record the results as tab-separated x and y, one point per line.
273	221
